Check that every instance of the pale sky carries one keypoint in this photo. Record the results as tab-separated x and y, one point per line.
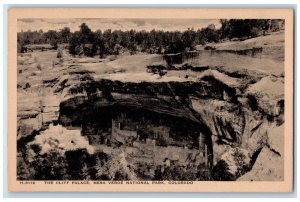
115	24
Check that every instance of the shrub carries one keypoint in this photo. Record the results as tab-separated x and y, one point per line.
239	158
89	50
59	53
54	44
51	166
39	67
23	171
27	85
221	172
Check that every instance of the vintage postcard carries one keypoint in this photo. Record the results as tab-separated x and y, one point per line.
150	100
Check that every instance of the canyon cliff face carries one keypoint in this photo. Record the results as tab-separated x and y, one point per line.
242	112
242	122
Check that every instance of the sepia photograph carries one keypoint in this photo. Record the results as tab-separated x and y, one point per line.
149	101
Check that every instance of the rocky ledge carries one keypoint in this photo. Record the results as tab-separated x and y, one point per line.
243	110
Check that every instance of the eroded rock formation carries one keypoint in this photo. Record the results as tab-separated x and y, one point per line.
242	113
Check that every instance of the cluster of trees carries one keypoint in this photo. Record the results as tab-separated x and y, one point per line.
80	165
51	37
108	42
221	171
73	165
238	28
111	42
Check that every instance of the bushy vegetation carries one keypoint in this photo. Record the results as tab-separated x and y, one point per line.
108	42
79	164
39	66
239	28
55	165
221	172
51	37
59	53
